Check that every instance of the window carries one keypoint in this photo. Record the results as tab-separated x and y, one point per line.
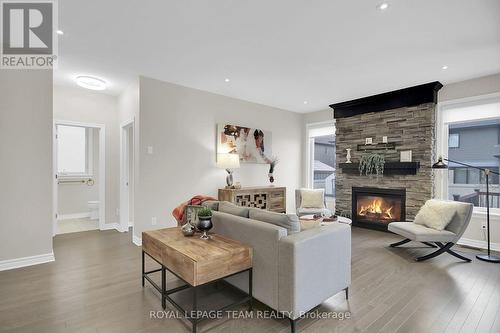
454	140
478	148
74	151
321	163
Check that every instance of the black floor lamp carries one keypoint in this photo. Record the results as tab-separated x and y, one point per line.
441	165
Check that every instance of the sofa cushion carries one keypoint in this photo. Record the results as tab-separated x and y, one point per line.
230	208
420	233
436	214
212	204
312	198
288	221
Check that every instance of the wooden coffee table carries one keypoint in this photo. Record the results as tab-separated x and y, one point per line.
195	261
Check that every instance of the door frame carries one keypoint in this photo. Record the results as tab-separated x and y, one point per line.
102	169
124	172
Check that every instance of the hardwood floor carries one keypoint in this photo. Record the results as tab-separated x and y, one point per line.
94	286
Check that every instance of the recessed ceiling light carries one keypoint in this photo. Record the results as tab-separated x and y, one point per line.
90	82
444	67
383	6
60	32
226	80
305	102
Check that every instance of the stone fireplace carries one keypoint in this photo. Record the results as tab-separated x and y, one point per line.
377	207
407	118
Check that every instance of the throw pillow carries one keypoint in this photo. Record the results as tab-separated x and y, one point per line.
230	208
312	198
436	214
288	221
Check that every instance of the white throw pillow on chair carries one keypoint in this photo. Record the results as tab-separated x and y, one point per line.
312	198
436	214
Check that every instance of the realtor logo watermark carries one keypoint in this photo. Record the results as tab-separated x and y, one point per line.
27	34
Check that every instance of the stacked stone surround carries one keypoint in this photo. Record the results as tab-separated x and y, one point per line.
411	128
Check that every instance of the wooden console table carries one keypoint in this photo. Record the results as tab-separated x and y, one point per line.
196	262
265	197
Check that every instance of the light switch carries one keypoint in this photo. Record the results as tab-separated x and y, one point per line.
150	150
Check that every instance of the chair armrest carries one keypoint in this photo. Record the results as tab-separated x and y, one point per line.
314	265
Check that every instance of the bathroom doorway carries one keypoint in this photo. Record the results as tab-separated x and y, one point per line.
79	176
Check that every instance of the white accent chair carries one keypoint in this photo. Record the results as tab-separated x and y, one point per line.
443	239
308	211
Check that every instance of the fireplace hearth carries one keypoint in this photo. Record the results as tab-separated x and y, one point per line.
375	208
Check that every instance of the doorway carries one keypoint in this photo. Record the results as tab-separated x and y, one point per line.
127	168
79	176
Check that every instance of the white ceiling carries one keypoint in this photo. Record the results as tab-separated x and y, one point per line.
280	52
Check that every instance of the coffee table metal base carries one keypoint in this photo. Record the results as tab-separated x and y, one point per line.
193	318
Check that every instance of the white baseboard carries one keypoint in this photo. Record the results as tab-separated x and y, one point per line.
136	240
73	216
115	226
110	226
120	229
478	244
26	261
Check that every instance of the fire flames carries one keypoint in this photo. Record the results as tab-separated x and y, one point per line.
377	209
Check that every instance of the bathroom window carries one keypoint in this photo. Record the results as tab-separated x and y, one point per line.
74	151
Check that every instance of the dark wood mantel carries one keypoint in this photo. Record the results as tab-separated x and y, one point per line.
424	93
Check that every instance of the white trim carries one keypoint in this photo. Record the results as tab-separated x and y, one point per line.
73	216
478	244
55	228
102	169
130	224
110	226
125	174
136	240
26	261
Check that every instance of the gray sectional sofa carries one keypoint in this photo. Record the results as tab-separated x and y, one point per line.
294	271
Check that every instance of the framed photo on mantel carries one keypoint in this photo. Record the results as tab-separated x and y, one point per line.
253	145
405	156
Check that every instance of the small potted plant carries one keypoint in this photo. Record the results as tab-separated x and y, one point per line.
204	221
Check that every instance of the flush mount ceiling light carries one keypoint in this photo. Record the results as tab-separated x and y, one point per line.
305	102
90	82
445	67
60	32
383	6
226	80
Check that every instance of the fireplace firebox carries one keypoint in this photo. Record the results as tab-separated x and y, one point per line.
375	208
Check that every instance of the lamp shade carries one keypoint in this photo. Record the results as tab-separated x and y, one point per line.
440	164
228	161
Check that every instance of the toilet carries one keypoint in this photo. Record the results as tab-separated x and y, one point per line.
94	210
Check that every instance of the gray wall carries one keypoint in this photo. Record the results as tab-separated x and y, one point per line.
469	88
82	105
180	124
26	163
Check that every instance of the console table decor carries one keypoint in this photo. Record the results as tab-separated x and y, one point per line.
197	263
264	197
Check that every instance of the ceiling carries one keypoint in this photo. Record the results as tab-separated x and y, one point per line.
281	52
